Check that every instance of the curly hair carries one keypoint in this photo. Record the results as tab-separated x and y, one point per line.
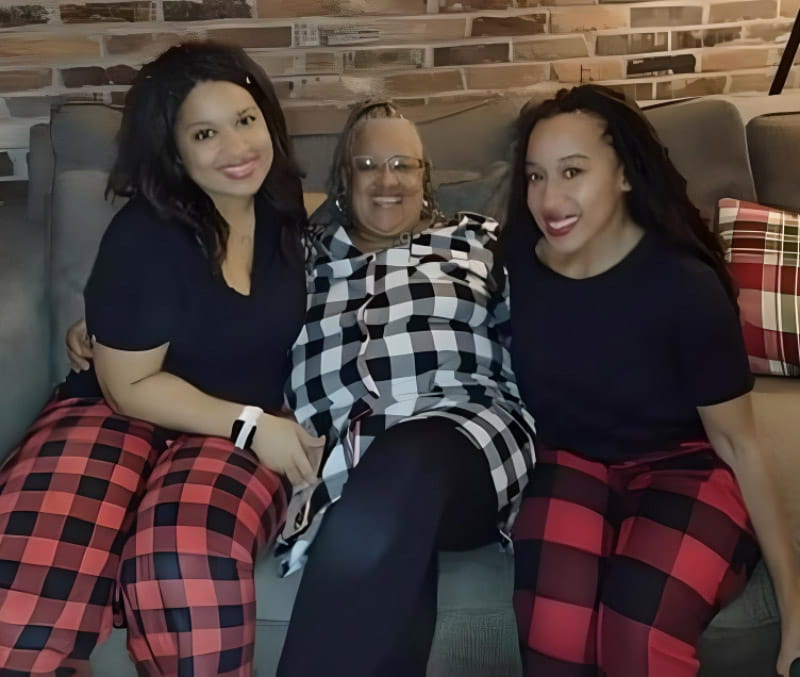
341	174
148	163
657	200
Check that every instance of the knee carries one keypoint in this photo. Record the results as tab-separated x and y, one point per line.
355	542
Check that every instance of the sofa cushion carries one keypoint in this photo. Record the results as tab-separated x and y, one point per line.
80	217
484	193
475	632
773	142
763	254
84	136
706	142
744	636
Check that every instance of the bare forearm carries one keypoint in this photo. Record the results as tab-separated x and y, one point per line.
772	527
171	402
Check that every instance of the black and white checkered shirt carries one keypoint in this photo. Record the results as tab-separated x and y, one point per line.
408	332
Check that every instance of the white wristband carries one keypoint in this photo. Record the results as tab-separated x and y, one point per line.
244	427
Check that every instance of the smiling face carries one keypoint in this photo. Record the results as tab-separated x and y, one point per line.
223	141
576	185
386	198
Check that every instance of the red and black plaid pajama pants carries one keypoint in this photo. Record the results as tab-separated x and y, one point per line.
97	508
620	567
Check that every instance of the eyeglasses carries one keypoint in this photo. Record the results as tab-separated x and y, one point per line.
401	165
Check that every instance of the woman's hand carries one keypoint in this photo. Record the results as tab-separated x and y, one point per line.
283	446
79	346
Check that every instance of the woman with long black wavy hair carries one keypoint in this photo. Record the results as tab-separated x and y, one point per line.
164	466
651	493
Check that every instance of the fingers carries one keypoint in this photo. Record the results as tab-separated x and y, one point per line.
315	458
84	348
308	440
79	347
303	468
76	362
294	476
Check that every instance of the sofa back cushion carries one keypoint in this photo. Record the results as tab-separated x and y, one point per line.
80	217
83	145
706	142
773	141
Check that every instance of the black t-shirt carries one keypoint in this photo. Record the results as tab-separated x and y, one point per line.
152	283
614	366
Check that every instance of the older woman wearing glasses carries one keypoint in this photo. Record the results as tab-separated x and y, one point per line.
401	364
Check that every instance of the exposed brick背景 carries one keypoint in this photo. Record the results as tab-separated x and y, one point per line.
143	44
23	80
98	12
705	38
685	87
424	82
631	43
121	75
507	76
635	91
751	82
527	24
376	59
188	10
84	76
662	65
47	46
789	8
416	50
296	8
254	38
551	49
736	59
470	54
768	32
656	17
587	18
431	28
476	5
588	71
745	9
23	15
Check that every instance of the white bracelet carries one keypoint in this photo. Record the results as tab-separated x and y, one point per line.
244	427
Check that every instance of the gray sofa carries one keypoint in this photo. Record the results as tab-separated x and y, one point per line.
725	147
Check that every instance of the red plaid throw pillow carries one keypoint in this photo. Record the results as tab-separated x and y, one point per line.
763	254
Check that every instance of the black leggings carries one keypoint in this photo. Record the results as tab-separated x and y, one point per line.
367	602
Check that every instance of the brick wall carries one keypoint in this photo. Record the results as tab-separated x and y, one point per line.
327	52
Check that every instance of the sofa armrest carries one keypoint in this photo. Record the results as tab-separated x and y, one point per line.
25	327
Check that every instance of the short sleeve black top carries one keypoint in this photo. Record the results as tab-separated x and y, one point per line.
152	283
613	366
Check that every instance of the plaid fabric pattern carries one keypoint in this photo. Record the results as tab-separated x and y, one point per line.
186	576
407	332
621	567
763	254
81	482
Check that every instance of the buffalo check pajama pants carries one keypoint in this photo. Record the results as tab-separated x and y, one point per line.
102	517
620	567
